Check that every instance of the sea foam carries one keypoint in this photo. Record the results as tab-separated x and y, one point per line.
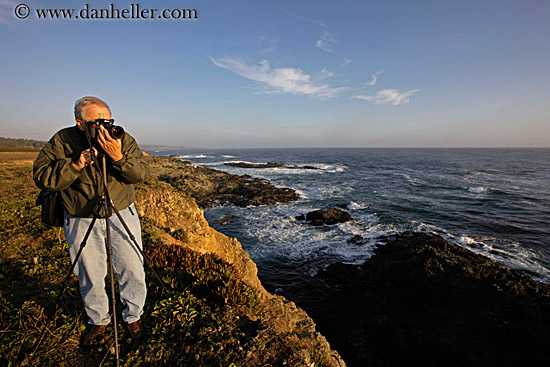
478	190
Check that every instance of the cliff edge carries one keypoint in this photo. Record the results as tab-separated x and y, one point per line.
177	220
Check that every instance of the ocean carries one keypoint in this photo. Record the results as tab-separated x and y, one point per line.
495	202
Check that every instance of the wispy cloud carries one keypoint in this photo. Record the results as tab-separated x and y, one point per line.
327	40
267	45
374	78
393	96
325	74
347	62
281	80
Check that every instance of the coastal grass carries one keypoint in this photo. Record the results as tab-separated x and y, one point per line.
201	315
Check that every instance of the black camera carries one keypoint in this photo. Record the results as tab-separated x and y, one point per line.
116	132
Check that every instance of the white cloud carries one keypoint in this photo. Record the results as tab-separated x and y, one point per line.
281	80
347	62
374	78
392	96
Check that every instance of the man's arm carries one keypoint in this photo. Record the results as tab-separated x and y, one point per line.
52	169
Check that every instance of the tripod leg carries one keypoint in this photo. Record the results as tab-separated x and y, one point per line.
111	275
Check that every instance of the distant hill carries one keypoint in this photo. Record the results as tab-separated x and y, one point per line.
9	144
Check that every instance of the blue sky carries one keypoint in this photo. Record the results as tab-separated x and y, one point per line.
287	73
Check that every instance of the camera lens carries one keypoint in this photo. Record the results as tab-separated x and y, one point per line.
116	132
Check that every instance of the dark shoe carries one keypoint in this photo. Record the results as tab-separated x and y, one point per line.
94	332
136	330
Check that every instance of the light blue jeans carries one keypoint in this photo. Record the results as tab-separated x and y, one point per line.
91	268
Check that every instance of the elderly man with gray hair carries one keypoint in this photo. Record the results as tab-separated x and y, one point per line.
66	164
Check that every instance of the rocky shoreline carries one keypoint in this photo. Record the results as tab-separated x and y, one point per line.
422	299
211	187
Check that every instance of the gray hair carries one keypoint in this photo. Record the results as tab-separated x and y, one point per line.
83	102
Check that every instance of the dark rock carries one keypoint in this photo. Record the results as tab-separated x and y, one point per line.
266	165
226	220
325	217
426	301
211	187
254	165
357	240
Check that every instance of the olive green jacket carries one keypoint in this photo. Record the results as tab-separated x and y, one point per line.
81	190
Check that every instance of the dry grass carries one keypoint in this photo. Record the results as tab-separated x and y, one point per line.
18	158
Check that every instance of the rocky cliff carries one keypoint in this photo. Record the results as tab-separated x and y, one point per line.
178	220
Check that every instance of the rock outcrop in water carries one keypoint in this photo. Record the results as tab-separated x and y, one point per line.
324	217
266	165
426	301
254	165
211	187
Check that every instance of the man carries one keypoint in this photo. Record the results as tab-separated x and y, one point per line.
66	164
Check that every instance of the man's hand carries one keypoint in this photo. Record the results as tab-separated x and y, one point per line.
113	147
84	160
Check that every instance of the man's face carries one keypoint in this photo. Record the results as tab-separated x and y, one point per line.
92	112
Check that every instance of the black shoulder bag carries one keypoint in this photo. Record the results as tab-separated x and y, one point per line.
52	207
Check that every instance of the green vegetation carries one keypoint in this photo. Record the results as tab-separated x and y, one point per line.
202	315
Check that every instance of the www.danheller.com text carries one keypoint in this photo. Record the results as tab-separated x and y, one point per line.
133	11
